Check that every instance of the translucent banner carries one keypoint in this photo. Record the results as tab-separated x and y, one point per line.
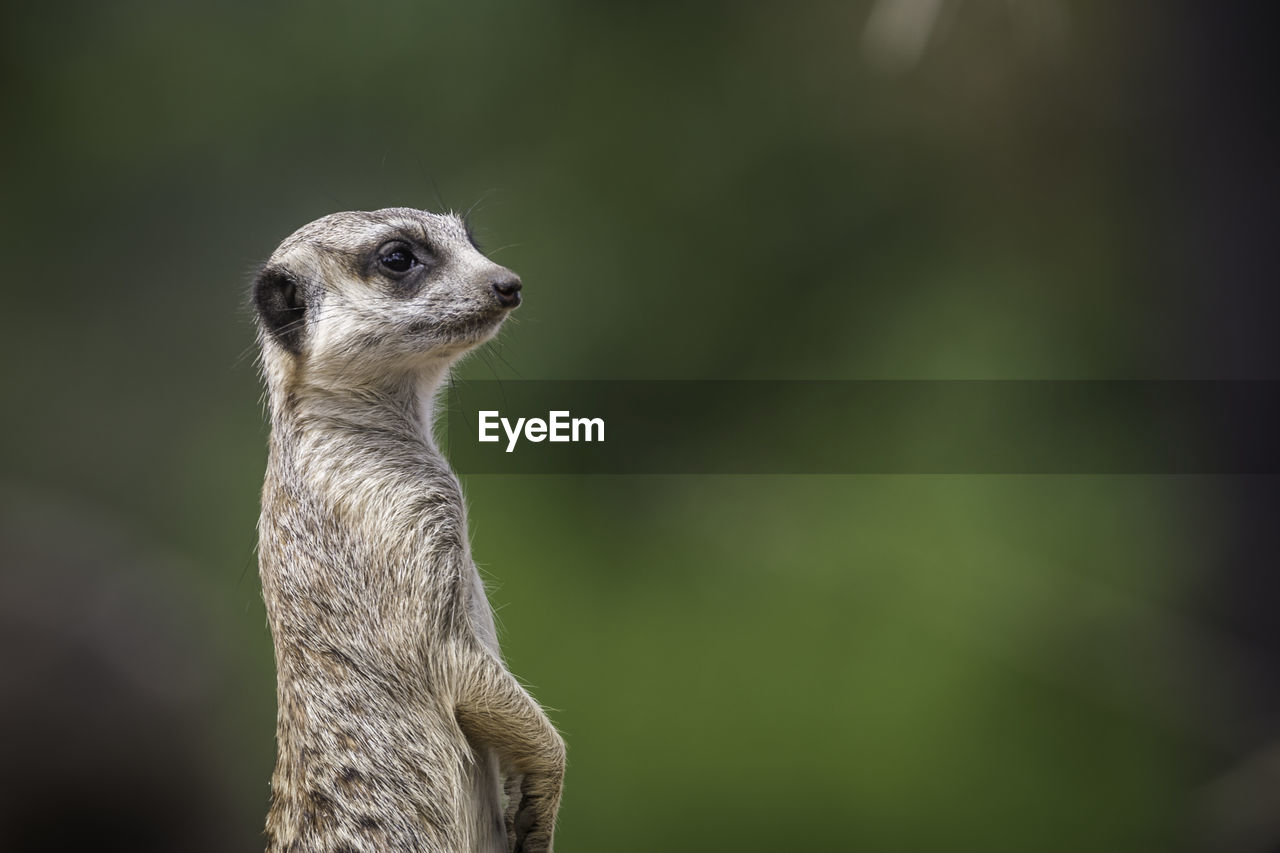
863	427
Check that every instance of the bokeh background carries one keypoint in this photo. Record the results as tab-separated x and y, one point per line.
942	189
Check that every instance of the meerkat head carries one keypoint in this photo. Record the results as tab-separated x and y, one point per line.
355	297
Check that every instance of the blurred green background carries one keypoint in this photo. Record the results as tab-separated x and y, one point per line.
893	189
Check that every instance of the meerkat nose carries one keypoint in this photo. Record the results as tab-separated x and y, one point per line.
507	289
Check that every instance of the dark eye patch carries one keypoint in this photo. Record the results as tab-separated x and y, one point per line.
397	258
403	263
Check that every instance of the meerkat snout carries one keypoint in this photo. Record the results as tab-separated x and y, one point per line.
507	289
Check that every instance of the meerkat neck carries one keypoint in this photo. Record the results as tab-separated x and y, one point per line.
384	423
402	404
370	453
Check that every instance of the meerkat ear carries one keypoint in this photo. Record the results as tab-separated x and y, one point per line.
278	297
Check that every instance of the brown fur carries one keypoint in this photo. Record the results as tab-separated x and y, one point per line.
399	727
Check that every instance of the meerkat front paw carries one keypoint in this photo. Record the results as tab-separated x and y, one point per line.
532	826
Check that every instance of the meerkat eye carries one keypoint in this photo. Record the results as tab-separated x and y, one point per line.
397	259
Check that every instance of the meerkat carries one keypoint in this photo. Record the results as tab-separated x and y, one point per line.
399	727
